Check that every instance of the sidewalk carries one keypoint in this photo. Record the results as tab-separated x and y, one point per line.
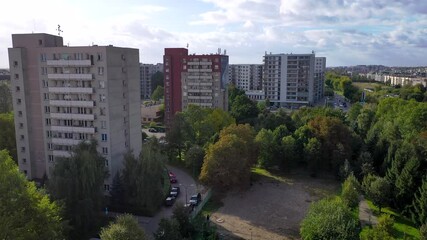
366	217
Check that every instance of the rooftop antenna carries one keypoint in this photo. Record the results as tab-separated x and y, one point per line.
59	30
187	45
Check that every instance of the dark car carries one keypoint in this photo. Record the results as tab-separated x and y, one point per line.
175	189
195	199
153	130
173	194
169	201
172	177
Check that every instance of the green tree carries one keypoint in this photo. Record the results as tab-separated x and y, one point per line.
243	109
267	149
125	227
312	151
168	230
381	231
25	212
157	80
350	191
379	190
179	136
143	179
78	181
7	134
194	159
181	215
423	231
5	98
228	162
117	191
290	152
419	206
158	93
329	219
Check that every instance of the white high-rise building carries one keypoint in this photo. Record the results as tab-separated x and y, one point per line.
146	73
65	95
289	79
319	77
246	76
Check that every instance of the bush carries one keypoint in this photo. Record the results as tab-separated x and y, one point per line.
350	191
382	231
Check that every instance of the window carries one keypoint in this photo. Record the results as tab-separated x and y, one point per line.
45	83
103	124
105	151
100	70
50	158
123	70
18	101
25	172
40	42
43	57
48	122
99	57
49	134
46	96
102	111
106	187
24	160
50	146
16	76
22	149
15	63
101	84
102	97
20	113
18	89
44	70
106	163
22	137
104	137
21	125
124	108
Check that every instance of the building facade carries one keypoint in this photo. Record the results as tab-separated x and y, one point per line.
319	77
66	95
246	76
146	73
194	79
289	79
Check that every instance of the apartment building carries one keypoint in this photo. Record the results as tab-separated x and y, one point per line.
65	95
289	79
146	73
194	79
319	77
246	76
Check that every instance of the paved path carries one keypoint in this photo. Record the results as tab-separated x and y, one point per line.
366	217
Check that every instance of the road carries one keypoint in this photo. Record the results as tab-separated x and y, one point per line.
150	225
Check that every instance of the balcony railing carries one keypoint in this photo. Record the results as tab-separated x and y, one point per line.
67	76
63	62
73	129
72	116
65	141
70	90
71	103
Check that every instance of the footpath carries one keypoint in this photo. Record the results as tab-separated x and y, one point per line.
366	217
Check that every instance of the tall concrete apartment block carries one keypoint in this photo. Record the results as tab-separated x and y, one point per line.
146	72
194	79
289	79
65	95
319	77
246	76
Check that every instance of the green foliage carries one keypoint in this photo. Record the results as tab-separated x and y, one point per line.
419	206
382	231
7	134
158	93
25	212
377	189
243	109
423	231
305	115
5	98
78	181
272	120
179	133
228	162
168	230
350	191
194	159
143	179
329	219
342	84
312	151
181	215
125	227
157	80
267	149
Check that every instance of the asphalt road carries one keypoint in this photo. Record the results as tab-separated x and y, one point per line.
185	182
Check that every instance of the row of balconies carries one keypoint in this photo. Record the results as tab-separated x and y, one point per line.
70	90
63	62
71	76
72	116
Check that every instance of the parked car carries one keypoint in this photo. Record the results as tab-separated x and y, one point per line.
172	177
153	130
195	199
175	189
173	194
169	201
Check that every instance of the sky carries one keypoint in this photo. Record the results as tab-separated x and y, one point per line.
387	32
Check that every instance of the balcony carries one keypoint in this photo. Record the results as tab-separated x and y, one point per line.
65	141
70	76
70	90
90	117
73	129
62	62
71	103
59	153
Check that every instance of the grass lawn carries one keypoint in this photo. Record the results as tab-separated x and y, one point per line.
363	85
260	172
402	226
210	207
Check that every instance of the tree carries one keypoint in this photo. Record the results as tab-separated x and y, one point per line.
157	80
419	206
312	151
178	136
25	212
7	134
329	219
168	230
143	179
423	231
181	215
290	152
243	109
78	182
194	159
267	149
158	93
5	98
382	231
228	162
350	191
117	192
379	190
125	227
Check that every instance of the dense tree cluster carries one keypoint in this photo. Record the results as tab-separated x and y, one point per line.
343	84
125	227
7	134
5	98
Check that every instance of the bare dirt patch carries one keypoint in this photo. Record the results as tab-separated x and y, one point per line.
272	208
